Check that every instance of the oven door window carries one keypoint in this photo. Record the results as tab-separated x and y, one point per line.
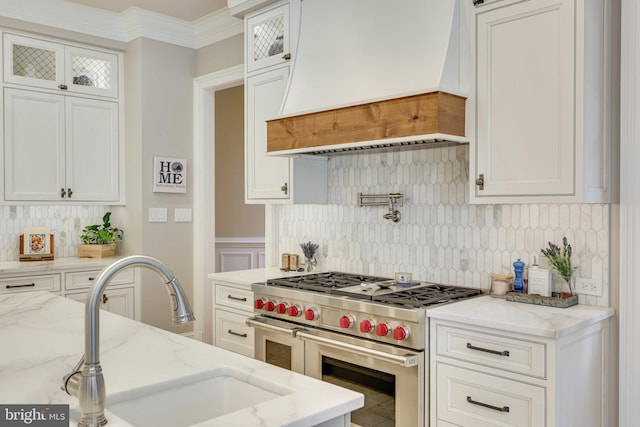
278	354
378	389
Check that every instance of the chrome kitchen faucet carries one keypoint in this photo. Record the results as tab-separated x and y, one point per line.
87	384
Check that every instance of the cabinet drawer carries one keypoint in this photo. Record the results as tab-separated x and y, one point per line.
85	279
473	399
49	282
239	299
496	351
232	333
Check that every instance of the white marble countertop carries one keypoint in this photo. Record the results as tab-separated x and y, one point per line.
42	337
247	277
530	319
58	264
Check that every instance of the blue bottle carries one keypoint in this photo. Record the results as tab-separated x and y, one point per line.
518	283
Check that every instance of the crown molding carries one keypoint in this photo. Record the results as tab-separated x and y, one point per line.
67	16
215	27
126	26
143	23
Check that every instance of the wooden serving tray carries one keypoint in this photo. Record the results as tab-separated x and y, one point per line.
542	300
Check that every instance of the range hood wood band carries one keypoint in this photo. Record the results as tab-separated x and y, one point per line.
429	113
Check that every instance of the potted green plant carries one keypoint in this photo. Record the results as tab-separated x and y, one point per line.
99	240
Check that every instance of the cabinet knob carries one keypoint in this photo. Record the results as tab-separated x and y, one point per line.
69	192
285	188
478	2
286	56
62	193
480	181
62	86
104	298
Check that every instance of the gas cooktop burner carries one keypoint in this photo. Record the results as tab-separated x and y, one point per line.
324	282
427	295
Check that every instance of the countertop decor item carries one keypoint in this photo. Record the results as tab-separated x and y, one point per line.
560	261
99	240
36	244
309	250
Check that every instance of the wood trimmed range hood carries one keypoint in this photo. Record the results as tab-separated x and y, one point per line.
375	75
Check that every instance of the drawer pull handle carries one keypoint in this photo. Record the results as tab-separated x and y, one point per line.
486	350
486	405
92	279
244	299
26	285
238	334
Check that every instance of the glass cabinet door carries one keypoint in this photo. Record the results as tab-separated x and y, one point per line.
91	71
40	63
33	62
268	38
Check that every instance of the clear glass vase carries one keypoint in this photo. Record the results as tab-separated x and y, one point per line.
310	264
567	286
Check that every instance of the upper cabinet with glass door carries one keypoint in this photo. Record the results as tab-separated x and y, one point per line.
41	63
268	38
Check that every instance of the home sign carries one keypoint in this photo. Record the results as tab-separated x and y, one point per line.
169	175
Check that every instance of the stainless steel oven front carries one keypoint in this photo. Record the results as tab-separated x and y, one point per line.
391	378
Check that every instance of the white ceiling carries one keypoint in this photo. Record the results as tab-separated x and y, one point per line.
187	10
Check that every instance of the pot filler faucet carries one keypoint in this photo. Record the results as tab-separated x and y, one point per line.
87	384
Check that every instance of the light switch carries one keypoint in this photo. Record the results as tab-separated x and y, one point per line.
157	214
182	214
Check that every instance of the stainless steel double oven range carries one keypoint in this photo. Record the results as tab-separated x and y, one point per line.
361	332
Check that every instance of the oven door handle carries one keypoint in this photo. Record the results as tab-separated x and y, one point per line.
407	360
255	322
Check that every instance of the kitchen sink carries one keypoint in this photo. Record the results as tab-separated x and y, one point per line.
190	400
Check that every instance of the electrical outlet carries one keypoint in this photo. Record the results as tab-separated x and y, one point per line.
588	287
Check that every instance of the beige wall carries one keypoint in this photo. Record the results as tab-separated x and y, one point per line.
233	217
159	87
221	55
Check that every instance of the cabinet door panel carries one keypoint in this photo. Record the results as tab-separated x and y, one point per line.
91	72
33	62
265	175
92	149
268	38
525	99
34	145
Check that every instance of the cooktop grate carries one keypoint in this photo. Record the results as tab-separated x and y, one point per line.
426	296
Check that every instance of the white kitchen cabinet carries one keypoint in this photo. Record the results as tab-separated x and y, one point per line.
273	179
41	282
481	376
268	37
73	279
117	301
232	305
60	148
52	65
546	101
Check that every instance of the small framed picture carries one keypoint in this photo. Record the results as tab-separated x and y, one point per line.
36	244
169	175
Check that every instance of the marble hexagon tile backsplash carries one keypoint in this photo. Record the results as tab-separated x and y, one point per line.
441	237
66	224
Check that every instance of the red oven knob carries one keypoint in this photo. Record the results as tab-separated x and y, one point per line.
259	303
366	326
382	330
282	308
401	333
346	321
311	314
269	306
294	310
